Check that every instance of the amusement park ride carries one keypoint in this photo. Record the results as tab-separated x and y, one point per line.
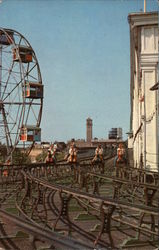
107	206
21	93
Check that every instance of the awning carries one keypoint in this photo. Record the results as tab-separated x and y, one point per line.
155	87
137	132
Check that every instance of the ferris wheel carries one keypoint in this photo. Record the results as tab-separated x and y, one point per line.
21	92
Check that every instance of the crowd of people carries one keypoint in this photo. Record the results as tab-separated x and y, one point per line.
71	156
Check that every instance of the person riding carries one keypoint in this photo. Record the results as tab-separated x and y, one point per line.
72	154
98	154
120	158
51	156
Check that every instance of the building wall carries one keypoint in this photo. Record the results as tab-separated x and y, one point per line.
115	133
120	133
149	60
144	117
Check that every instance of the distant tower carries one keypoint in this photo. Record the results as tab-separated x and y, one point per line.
89	129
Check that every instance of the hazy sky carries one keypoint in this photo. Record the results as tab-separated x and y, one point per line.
84	55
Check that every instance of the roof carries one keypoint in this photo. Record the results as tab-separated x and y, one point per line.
143	18
34	83
89	119
30	127
106	141
143	13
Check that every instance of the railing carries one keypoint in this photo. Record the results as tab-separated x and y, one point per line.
36	233
43	197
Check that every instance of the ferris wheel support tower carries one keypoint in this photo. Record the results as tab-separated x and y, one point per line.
21	92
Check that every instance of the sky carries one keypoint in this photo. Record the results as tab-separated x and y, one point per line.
83	49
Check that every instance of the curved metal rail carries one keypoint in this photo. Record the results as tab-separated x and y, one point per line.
104	209
38	194
43	235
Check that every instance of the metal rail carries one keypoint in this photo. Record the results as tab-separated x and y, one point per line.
42	234
35	192
106	208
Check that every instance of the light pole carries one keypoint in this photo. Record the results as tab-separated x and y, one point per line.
156	87
144	6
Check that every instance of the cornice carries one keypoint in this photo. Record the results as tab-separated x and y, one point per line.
142	19
149	56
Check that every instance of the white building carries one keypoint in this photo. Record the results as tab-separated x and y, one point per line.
144	74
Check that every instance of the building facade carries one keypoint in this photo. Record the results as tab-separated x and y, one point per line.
144	57
115	133
89	133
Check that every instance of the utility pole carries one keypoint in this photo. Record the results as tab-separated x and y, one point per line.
144	126
144	6
0	72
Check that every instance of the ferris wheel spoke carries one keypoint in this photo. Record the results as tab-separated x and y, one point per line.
10	116
4	69
12	90
27	115
7	82
19	126
34	78
14	121
2	137
15	74
36	118
6	128
27	73
16	86
20	40
15	83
